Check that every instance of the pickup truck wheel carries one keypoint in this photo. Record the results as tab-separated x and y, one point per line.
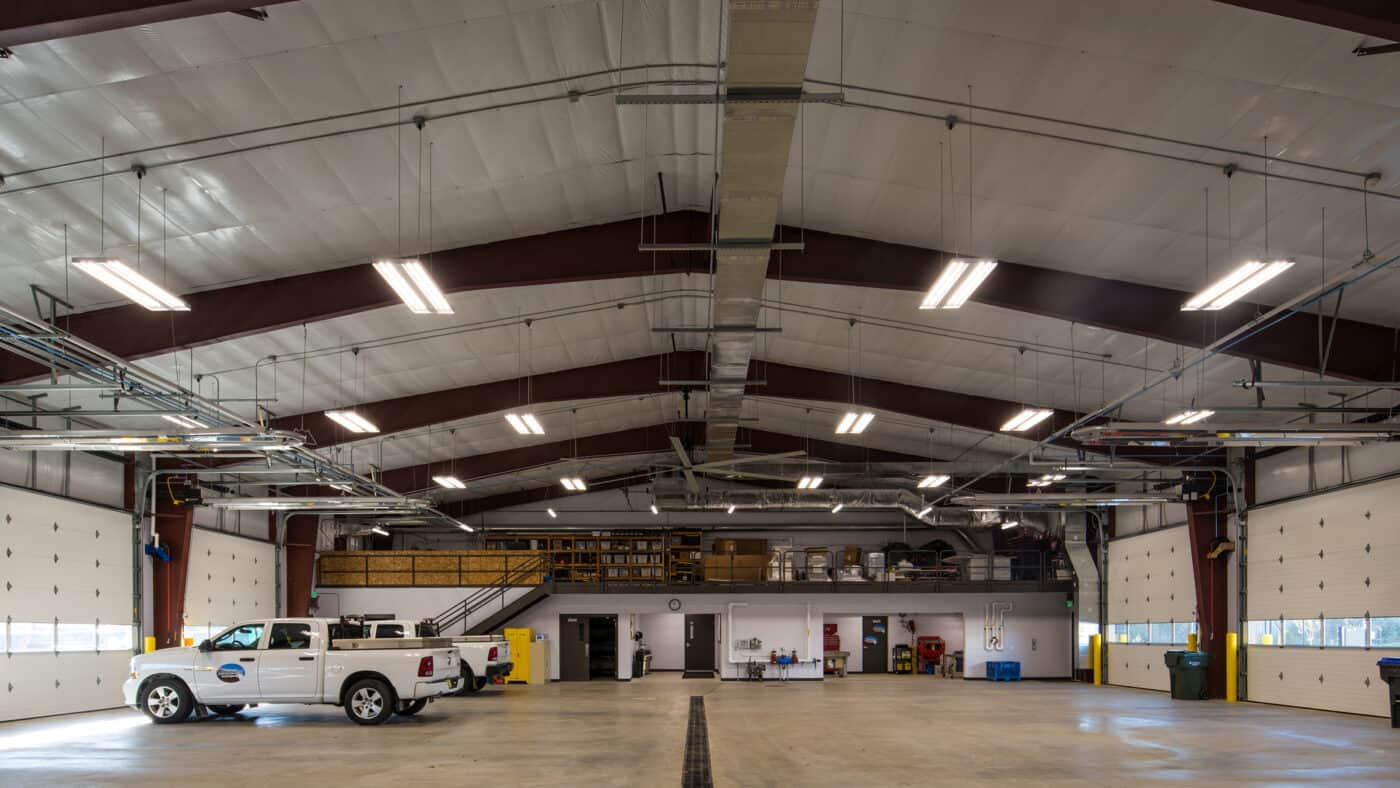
167	700
369	702
224	711
470	681
412	708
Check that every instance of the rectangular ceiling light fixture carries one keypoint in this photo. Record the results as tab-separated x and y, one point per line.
351	420
838	507
1038	483
121	278
655	510
929	482
1235	285
854	423
731	509
525	423
1190	416
551	513
1026	419
184	421
450	482
381	531
573	484
924	511
1010	524
809	482
958	281
413	285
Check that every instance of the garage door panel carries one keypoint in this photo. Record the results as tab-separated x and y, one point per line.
1137	665
1331	679
1149	577
231	578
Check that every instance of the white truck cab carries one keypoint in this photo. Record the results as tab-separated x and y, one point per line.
484	657
294	660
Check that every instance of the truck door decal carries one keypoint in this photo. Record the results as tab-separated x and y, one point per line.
230	673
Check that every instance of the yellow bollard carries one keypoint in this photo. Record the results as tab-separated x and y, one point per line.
150	643
1232	667
189	641
1193	642
1096	658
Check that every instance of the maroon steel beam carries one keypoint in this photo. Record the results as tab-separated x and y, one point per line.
1376	18
1360	350
1207	525
30	21
174	524
301	562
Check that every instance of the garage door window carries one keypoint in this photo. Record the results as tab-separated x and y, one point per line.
114	637
29	637
1385	632
77	637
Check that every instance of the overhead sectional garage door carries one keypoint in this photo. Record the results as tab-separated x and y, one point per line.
1323	601
66	600
1151	605
231	579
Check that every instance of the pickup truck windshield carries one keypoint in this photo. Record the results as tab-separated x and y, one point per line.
239	638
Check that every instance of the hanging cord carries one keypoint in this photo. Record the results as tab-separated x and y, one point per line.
102	200
398	169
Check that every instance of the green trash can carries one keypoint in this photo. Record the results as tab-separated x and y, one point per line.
1189	672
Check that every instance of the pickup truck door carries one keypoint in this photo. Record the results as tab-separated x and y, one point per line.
228	671
289	666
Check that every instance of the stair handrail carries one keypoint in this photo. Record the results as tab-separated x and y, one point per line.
461	611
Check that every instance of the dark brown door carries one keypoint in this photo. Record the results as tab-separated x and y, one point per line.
700	643
573	648
874	644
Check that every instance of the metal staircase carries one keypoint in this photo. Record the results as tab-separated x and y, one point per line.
460	614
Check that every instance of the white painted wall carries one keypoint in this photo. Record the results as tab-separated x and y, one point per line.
1039	629
1299	472
849	630
665	636
75	475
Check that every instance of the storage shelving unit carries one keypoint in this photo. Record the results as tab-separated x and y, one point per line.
614	556
684	555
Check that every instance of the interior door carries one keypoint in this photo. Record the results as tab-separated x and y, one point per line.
700	643
229	670
874	644
573	648
290	666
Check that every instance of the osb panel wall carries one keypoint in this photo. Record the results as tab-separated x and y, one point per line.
419	568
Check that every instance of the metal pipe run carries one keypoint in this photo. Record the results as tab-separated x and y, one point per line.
1331	384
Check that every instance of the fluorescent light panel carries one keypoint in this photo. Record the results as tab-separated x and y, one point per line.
924	511
1235	285
184	421
838	507
809	482
351	420
466	528
450	482
956	284
1010	524
655	510
551	513
1190	416
932	481
381	531
854	423
121	278
525	423
1026	419
573	484
414	286
731	508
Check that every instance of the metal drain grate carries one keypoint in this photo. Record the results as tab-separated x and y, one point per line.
695	770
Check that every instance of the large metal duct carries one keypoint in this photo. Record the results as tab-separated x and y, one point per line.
769	41
676	500
1088	608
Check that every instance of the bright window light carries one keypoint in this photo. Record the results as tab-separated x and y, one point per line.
450	482
1235	285
655	510
551	513
351	420
377	530
525	423
412	284
809	482
573	484
932	481
1190	416
838	507
924	511
184	421
1026	419
121	278
854	423
956	284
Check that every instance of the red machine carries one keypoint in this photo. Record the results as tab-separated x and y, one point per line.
930	652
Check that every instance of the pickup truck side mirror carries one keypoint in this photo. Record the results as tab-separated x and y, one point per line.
205	646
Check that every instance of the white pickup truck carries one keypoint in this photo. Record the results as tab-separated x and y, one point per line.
484	657
293	660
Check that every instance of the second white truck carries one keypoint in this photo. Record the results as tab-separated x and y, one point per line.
484	657
294	660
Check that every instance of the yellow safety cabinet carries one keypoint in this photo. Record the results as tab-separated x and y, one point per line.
519	639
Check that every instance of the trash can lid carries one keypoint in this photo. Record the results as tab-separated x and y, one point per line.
1389	661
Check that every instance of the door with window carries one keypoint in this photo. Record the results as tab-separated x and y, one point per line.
228	671
290	666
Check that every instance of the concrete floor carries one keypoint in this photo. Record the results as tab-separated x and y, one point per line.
863	730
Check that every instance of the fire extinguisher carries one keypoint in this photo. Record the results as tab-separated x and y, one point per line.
773	657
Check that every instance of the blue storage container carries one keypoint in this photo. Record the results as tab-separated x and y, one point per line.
1003	671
